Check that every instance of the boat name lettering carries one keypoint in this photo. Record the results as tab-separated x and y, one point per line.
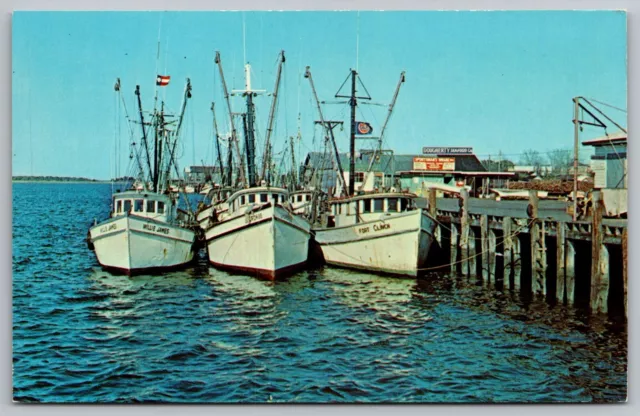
380	227
151	227
363	230
253	217
109	227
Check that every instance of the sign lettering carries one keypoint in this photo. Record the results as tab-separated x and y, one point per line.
108	228
252	217
434	163
447	150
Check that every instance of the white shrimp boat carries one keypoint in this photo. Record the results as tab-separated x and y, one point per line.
381	232
145	230
260	235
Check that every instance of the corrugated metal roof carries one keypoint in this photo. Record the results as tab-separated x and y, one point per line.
390	164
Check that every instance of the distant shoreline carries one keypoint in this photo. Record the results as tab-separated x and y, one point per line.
60	179
55	181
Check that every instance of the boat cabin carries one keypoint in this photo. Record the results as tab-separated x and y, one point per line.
300	201
149	205
363	208
256	196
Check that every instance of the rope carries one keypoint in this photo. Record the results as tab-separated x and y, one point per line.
501	242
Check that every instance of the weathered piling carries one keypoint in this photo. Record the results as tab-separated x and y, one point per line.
484	248
574	262
599	259
454	242
624	269
507	246
561	261
538	247
570	272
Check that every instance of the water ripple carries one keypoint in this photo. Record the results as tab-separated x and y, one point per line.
200	335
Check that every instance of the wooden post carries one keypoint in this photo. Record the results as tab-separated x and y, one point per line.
492	256
599	259
433	211
538	249
454	248
464	232
570	272
484	247
471	253
560	261
624	268
517	262
508	251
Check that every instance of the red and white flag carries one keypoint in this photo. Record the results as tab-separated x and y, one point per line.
163	80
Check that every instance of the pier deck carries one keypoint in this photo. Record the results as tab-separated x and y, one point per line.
534	246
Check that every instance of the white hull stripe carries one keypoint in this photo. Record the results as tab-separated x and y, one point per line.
370	237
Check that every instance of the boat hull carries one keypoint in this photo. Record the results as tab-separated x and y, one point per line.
131	244
398	244
267	243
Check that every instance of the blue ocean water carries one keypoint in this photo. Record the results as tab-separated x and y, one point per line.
329	335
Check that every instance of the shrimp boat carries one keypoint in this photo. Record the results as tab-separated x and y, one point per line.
382	231
258	234
146	231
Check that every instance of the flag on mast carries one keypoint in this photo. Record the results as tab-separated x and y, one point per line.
363	127
163	80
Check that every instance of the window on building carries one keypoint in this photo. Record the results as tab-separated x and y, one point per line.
274	198
404	204
160	207
359	177
138	205
151	206
307	197
127	205
264	197
393	204
299	198
252	198
119	206
378	205
241	200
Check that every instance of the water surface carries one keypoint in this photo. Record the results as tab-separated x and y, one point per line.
81	334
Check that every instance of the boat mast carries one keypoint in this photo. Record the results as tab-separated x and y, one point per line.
328	125
267	147
144	130
176	134
353	103
384	126
294	176
217	138
249	126
234	136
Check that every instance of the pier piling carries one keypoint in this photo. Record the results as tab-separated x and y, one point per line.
484	248
561	261
507	246
538	247
600	258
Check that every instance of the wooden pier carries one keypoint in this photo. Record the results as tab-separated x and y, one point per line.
534	247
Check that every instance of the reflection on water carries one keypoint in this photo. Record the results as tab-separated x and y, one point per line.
202	335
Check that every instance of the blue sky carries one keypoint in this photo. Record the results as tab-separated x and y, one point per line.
496	81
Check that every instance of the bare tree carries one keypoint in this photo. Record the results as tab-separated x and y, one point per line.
560	161
532	158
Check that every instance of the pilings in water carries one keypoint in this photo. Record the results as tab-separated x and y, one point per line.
572	263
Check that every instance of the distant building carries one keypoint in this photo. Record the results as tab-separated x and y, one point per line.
201	174
412	173
609	165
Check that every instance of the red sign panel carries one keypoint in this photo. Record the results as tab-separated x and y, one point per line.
434	163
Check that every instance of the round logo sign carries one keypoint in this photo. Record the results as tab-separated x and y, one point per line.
363	128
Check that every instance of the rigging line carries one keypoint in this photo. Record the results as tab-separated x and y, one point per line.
357	39
608	105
